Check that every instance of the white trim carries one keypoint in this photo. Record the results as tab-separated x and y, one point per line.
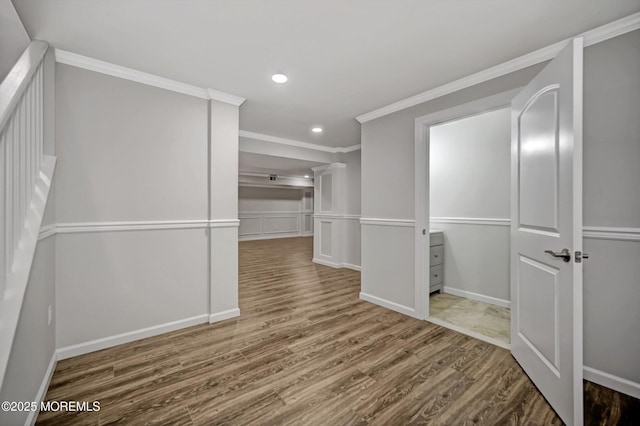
256	237
328	167
244	213
347	149
596	35
228	98
284	141
326	263
472	221
352	266
407	223
476	296
291	142
47	231
335	216
336	265
224	223
130	336
15	83
249	173
42	391
470	333
221	316
612	382
611	233
95	65
72	228
388	304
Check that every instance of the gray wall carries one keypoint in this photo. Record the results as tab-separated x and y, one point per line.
388	145
13	37
611	154
612	199
470	179
128	152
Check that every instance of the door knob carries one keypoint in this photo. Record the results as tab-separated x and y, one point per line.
564	254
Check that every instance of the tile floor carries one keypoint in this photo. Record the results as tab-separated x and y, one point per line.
490	320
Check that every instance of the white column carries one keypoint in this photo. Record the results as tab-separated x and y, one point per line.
329	211
223	211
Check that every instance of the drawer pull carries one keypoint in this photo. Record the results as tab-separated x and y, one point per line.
436	275
436	255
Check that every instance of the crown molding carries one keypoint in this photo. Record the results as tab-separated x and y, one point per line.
591	37
91	64
228	98
329	167
299	144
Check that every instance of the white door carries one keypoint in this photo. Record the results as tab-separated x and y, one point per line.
546	218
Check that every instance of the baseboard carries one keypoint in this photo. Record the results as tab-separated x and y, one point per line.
351	266
478	297
336	265
221	316
612	382
471	333
119	339
389	304
270	237
326	263
42	392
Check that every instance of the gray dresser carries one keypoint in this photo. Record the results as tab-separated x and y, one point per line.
436	262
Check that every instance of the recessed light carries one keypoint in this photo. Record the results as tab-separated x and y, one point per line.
317	130
279	78
306	176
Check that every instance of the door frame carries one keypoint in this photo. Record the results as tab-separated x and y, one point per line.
422	189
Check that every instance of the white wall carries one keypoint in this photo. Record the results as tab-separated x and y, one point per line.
470	180
274	212
612	92
133	205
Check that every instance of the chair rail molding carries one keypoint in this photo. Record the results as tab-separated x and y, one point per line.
472	220
611	233
407	223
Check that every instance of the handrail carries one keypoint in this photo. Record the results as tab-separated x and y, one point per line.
16	82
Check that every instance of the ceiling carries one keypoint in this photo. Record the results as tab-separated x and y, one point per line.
258	163
343	57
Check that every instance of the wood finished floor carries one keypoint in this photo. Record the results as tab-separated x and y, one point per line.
307	351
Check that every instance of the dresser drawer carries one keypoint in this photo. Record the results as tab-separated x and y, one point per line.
437	275
436	238
436	255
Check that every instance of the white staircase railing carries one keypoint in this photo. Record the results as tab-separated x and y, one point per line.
26	174
21	149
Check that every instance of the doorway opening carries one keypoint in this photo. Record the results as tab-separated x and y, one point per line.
469	209
464	204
